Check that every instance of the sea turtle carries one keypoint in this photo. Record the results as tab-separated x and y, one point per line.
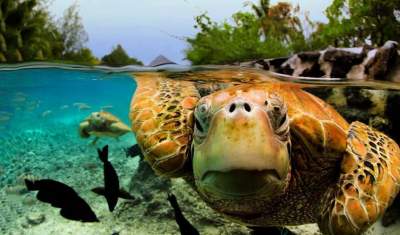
102	124
266	153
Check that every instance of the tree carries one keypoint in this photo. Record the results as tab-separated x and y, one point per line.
83	56
279	21
352	23
72	31
26	31
119	57
225	43
75	37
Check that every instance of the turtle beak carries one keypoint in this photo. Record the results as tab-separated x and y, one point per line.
241	155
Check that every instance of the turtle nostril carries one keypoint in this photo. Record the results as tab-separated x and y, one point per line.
247	107
232	108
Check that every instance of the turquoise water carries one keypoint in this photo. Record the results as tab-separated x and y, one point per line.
40	111
37	98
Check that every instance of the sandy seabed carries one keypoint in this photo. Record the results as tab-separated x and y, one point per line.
62	156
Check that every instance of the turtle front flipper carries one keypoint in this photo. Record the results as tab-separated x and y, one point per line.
368	183
84	128
162	119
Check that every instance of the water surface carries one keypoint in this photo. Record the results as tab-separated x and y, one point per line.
41	108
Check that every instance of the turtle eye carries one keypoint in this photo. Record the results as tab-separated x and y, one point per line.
202	110
277	112
201	116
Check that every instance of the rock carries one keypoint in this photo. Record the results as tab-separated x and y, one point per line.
144	180
297	66
35	218
29	200
90	166
358	63
378	108
338	61
383	60
16	190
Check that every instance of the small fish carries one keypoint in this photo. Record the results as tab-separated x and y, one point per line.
122	193
46	113
64	107
4	119
62	196
82	106
111	182
185	227
19	97
105	107
134	151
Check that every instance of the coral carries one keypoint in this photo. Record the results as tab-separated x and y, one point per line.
16	190
35	218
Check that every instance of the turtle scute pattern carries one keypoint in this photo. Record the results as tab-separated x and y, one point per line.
368	184
161	116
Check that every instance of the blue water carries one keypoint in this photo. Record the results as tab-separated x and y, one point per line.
39	118
40	115
34	98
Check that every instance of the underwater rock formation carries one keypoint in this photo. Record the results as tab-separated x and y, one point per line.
34	218
378	108
154	205
351	63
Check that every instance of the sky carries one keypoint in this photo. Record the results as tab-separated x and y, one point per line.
148	28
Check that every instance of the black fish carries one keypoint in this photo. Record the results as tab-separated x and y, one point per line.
134	151
185	227
270	231
121	193
111	182
62	196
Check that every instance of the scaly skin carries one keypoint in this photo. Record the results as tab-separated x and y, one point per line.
257	167
161	114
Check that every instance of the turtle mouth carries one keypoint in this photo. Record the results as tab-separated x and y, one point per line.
241	183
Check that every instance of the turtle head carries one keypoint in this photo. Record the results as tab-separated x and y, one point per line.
241	145
97	118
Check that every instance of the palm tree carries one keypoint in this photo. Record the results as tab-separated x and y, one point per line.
262	12
278	21
26	31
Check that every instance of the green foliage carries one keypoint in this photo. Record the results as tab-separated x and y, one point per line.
281	29
72	31
353	22
119	57
225	43
279	21
26	32
82	56
268	31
